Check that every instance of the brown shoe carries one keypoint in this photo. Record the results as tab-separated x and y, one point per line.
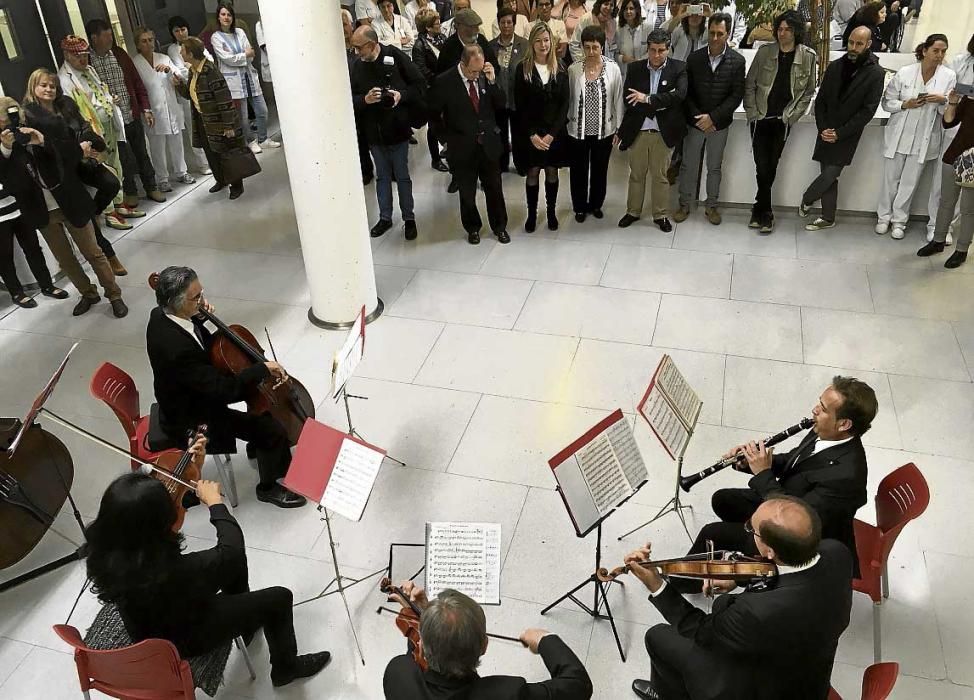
130	201
713	216
117	267
156	196
681	214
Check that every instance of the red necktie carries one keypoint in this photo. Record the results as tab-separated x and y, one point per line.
474	95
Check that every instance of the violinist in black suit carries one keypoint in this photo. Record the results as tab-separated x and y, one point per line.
464	102
775	640
191	391
453	631
827	470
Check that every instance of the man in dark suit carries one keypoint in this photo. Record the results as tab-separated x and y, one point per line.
467	24
453	630
827	471
653	124
191	391
464	102
846	102
775	640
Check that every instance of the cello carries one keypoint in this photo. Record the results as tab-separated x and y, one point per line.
233	350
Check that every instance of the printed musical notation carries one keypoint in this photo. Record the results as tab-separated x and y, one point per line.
627	453
349	355
664	421
600	469
679	392
465	557
352	479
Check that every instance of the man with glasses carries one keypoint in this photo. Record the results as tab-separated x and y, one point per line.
776	639
827	470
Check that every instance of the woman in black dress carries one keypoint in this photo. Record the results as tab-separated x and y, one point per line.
541	95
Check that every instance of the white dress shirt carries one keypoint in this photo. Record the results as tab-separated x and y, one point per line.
186	325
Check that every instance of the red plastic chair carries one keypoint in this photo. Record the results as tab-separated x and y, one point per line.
149	670
877	682
116	388
902	496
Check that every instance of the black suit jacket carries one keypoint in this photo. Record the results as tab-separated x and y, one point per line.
453	49
666	106
767	644
189	389
833	482
717	93
403	680
849	111
458	125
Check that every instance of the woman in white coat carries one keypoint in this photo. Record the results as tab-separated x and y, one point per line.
234	58
179	31
915	98
165	136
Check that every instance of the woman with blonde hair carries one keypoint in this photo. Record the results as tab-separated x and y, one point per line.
541	95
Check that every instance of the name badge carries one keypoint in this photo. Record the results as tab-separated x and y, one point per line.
663	82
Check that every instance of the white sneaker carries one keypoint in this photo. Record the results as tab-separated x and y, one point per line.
950	239
819	224
270	143
898	233
882	227
254	147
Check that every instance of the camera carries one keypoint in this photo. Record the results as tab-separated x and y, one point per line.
387	100
13	116
696	9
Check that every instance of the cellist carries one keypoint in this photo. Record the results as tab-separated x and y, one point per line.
190	391
774	640
199	600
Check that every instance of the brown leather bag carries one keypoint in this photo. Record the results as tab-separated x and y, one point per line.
238	164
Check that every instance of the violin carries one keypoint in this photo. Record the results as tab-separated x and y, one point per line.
235	349
34	484
177	471
720	565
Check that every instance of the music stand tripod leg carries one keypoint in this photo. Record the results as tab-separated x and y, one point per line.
351	429
673	505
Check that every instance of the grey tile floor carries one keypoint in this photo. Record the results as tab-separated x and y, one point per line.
487	361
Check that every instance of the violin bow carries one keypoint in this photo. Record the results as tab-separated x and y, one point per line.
270	343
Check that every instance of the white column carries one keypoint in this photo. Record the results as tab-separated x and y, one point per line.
306	46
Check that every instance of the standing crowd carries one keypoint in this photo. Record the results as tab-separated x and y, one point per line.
562	85
88	143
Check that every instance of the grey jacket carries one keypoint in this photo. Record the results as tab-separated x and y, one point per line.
760	79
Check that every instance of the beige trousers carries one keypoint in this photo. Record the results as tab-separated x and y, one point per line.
648	157
84	238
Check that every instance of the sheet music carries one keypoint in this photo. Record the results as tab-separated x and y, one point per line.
348	356
627	453
602	473
352	479
678	390
465	557
664	421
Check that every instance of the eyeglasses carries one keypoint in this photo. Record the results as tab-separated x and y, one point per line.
749	528
362	47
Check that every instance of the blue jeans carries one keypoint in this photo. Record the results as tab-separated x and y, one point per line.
260	112
391	160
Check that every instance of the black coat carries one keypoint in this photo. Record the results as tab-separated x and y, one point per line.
457	124
403	680
767	644
382	124
715	93
666	106
542	110
832	481
188	388
425	58
453	49
849	112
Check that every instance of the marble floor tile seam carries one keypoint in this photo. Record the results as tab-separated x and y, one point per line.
429	354
524	303
933	609
520	512
263	253
801	332
466	427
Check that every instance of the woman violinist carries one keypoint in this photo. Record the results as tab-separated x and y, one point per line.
199	600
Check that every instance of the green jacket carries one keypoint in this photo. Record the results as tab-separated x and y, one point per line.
760	79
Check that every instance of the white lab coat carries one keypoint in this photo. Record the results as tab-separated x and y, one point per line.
163	100
231	59
391	34
265	60
906	84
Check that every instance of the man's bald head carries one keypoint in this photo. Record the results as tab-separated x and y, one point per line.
365	42
787	530
860	41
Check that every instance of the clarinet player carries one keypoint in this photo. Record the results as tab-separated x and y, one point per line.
827	470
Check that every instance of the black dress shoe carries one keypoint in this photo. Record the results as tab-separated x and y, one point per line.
931	248
502	236
410	230
473	237
217	186
580	217
441	166
645	690
664	224
55	293
86	303
304	666
955	260
280	497
24	301
453	187
627	221
236	191
597	213
119	309
381	226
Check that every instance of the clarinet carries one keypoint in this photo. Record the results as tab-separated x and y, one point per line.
687	482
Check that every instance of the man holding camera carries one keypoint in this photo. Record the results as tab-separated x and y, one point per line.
386	89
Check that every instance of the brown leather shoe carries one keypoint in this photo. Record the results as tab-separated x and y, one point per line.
713	216
117	267
681	214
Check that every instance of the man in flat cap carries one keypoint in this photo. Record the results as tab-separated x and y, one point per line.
467	24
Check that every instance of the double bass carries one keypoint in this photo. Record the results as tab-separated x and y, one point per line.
233	350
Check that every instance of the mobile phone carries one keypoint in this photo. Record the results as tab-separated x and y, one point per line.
964	89
696	9
922	96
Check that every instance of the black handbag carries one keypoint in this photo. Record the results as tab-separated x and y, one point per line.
238	164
